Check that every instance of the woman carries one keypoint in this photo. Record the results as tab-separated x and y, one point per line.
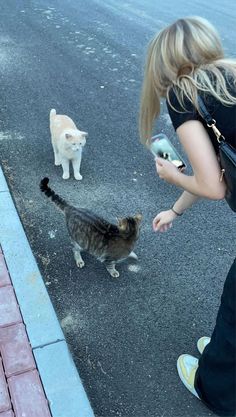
186	60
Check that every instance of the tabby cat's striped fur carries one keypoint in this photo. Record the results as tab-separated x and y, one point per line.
109	243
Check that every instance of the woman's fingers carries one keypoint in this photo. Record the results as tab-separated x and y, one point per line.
155	226
163	221
159	161
164	228
161	226
155	222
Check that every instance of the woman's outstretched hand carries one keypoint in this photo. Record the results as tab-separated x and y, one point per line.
163	221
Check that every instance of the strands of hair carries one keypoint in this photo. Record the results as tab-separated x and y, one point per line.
185	57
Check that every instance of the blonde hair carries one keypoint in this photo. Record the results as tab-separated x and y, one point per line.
186	57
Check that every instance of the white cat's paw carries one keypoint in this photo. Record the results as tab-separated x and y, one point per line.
57	163
114	273
80	264
78	177
65	176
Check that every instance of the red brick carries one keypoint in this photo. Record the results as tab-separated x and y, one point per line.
9	310
15	350
4	276
27	395
5	403
7	414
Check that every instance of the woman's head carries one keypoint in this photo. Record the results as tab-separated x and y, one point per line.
180	48
179	56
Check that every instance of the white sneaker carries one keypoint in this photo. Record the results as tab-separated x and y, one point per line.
202	342
187	366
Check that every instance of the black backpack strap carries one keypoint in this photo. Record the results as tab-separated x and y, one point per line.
208	119
204	112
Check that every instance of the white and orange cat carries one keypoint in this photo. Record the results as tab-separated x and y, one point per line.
67	143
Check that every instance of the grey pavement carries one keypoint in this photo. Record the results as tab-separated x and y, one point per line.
86	60
61	382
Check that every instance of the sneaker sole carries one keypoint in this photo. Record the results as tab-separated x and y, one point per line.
189	387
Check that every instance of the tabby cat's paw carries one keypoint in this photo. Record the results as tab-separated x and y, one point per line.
78	177
133	255
80	264
65	176
115	273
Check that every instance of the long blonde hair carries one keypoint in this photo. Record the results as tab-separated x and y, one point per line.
186	57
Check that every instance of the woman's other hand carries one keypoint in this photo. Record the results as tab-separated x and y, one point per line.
163	221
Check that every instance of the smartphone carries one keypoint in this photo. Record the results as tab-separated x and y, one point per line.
161	146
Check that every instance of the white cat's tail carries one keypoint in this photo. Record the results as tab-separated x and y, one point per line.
52	114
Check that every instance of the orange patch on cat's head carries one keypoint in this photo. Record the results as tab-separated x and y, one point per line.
126	222
122	224
76	137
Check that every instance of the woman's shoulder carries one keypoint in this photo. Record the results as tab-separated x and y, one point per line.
222	80
179	110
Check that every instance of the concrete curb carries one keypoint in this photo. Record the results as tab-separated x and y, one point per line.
61	381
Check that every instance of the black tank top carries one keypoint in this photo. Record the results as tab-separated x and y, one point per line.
225	116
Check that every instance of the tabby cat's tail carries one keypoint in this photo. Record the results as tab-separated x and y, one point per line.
62	204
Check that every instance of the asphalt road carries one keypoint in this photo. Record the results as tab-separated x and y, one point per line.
86	60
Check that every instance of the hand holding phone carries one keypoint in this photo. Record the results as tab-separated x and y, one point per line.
162	147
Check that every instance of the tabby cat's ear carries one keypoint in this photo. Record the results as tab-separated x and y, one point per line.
68	136
138	217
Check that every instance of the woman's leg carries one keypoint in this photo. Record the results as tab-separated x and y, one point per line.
215	380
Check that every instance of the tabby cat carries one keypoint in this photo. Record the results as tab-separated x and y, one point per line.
109	243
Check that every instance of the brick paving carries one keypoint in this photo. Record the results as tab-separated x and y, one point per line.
21	390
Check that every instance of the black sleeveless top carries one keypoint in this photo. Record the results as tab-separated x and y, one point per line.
225	116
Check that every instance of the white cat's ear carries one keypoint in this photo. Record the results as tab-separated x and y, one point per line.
85	134
68	136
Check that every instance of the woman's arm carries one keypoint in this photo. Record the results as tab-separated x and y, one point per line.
163	221
206	179
185	201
